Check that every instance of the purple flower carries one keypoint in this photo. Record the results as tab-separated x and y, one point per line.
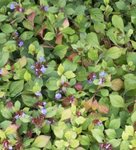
38	93
12	6
0	71
58	96
102	74
20	43
41	59
43	69
10	148
44	103
43	111
17	117
16	33
21	9
46	8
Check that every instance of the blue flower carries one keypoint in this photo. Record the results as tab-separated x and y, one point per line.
0	71
101	81
43	111
41	59
58	96
10	148
38	93
43	69
46	8
20	43
12	6
102	74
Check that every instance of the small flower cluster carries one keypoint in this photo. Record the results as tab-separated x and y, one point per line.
0	71
92	76
102	76
42	105
39	67
16	6
19	114
38	121
106	146
6	145
97	122
68	100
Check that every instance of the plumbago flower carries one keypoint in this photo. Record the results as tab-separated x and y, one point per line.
20	43
13	6
46	8
58	96
102	76
91	77
39	68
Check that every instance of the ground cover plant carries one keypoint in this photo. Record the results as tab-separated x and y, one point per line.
67	75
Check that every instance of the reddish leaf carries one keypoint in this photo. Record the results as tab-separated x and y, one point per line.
88	104
59	39
66	23
95	105
71	57
31	17
41	32
103	109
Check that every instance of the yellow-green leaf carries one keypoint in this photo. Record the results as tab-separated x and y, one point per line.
41	141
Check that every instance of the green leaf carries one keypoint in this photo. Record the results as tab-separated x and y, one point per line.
74	143
117	101
81	74
60	69
2	135
6	113
118	22
68	65
111	134
70	135
2	38
16	87
66	114
27	76
69	74
27	35
2	17
93	54
84	140
98	135
49	36
7	28
133	117
124	145
80	120
131	57
41	141
28	25
60	50
51	84
130	82
68	31
114	52
96	15
11	129
114	124
4	56
92	40
29	100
